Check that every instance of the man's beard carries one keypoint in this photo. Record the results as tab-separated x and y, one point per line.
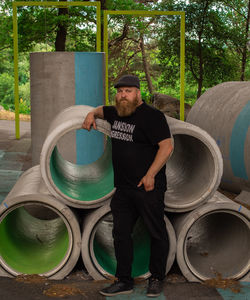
125	108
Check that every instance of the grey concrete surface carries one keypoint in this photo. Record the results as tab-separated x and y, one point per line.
52	89
15	155
223	111
12	289
8	141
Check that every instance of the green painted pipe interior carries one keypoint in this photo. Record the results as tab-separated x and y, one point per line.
32	245
83	182
104	249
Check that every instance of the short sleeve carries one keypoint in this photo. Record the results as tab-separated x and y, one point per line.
109	113
157	128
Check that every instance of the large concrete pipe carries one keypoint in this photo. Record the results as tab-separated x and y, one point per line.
214	239
59	80
98	251
82	186
195	168
223	111
38	234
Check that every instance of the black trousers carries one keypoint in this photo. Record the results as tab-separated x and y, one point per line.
126	206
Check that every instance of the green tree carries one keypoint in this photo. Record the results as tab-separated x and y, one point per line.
132	43
71	31
237	16
57	27
6	26
207	57
216	42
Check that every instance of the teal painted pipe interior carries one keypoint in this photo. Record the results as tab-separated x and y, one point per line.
237	142
89	90
104	251
32	244
78	182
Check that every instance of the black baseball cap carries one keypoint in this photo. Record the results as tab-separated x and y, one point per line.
128	80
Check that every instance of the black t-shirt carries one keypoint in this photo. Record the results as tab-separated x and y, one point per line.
135	143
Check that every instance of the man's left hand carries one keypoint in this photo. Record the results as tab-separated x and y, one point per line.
148	182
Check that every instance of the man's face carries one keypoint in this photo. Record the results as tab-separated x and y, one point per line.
127	99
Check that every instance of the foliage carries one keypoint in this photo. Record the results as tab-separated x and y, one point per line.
7	81
39	25
37	28
6	88
215	42
208	59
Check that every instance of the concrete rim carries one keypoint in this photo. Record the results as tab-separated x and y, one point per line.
88	256
70	221
181	128
58	128
206	209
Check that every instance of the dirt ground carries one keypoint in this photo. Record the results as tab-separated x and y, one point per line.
9	115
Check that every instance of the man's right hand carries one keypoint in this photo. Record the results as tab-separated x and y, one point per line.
89	121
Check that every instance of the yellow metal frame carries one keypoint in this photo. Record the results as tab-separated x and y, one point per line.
15	37
149	14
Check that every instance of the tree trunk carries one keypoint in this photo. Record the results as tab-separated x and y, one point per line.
103	7
145	65
244	54
200	33
200	78
62	30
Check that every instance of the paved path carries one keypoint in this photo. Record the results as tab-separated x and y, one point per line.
88	289
15	157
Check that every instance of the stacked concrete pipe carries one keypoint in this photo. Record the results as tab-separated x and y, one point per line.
98	251
194	173
81	186
38	233
214	239
223	111
82	177
195	168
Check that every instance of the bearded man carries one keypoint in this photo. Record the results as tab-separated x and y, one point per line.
141	146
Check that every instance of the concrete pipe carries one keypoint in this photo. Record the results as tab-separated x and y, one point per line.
214	239
38	234
82	186
59	80
223	111
195	168
97	246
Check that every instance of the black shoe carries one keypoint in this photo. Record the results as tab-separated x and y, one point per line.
117	288
154	287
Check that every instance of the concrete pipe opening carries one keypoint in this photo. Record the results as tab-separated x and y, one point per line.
103	251
83	183
38	233
78	185
218	243
98	250
194	169
213	239
34	239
